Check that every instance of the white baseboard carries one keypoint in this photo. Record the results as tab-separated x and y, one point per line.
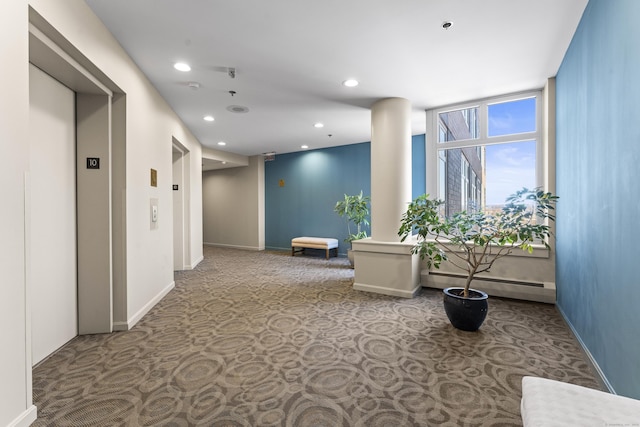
248	248
187	267
195	263
592	361
148	306
120	326
26	418
386	291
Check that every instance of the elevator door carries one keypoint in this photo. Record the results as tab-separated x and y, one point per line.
52	243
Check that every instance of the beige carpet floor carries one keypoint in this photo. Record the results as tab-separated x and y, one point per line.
266	339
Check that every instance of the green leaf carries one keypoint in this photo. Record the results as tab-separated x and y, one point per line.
519	223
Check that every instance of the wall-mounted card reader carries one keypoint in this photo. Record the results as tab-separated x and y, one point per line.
153	213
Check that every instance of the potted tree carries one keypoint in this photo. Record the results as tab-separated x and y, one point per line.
355	210
474	241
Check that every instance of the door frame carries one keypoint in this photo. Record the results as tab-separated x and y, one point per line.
181	206
94	125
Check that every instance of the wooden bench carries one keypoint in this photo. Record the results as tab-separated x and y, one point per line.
299	244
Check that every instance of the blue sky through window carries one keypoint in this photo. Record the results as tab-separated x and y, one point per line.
511	117
510	166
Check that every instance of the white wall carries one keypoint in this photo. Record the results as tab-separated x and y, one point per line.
234	206
15	360
193	196
150	127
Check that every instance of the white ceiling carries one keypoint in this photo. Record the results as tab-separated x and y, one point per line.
291	57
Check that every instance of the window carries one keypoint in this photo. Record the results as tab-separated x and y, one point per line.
485	151
458	125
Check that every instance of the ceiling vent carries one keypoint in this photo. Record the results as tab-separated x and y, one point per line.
269	157
237	109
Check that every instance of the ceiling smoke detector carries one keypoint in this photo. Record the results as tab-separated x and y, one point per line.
237	109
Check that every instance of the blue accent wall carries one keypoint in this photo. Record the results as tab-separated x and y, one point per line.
313	182
418	166
598	176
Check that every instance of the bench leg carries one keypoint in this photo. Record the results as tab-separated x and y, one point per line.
297	250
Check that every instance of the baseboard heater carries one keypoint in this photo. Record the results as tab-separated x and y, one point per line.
491	279
494	286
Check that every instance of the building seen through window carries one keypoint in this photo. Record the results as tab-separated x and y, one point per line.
486	152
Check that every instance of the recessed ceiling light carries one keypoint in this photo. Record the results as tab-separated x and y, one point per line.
181	66
224	163
208	118
222	143
318	125
304	147
350	83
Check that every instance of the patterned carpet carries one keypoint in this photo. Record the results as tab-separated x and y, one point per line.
266	339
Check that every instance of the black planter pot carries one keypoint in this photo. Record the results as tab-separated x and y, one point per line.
468	313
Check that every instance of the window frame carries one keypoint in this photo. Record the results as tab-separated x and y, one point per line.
464	183
433	128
